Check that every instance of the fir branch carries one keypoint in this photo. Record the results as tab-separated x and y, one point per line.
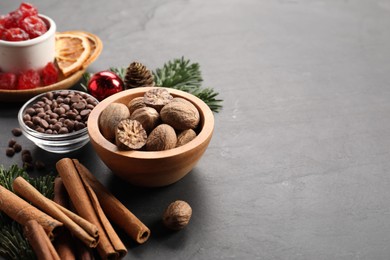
13	245
183	75
179	74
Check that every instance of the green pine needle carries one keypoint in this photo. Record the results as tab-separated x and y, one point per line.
13	245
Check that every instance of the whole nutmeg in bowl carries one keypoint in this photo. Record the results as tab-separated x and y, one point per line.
146	150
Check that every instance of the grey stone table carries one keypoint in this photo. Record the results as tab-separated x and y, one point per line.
299	164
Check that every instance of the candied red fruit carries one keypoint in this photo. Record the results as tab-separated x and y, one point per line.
28	9
15	35
7	80
25	18
33	25
8	21
28	79
49	74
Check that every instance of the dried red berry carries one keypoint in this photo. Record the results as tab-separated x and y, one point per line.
7	80
15	35
28	9
17	16
49	74
28	79
33	25
8	21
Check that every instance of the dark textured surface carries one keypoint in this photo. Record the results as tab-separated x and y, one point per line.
298	167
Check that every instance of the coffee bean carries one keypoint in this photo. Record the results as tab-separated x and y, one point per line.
40	129
78	105
11	143
17	147
9	151
41	114
52	121
26	157
30	124
63	130
26	152
36	120
85	112
16	131
30	111
79	126
39	165
26	117
71	115
44	124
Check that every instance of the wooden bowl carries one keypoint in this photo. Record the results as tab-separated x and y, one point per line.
146	168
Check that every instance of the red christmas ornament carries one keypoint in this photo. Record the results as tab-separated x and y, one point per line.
104	83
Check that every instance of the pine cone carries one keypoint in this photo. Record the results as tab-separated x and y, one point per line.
138	75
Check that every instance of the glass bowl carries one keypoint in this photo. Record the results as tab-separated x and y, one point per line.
55	143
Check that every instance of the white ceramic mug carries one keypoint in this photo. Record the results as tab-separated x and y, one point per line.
29	54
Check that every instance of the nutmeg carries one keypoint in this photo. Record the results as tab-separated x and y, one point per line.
180	114
147	116
157	98
130	135
163	137
135	104
177	215
110	117
185	137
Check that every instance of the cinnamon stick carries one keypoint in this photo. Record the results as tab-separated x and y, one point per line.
88	207
64	244
39	241
82	252
21	211
85	224
115	210
25	189
111	234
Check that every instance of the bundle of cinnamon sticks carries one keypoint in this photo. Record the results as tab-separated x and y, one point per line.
77	220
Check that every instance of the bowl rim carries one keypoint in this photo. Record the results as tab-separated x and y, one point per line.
58	137
205	133
51	31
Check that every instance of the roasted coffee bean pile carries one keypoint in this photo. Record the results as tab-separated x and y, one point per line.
59	112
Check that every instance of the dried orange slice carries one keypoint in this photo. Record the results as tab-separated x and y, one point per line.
72	51
95	43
